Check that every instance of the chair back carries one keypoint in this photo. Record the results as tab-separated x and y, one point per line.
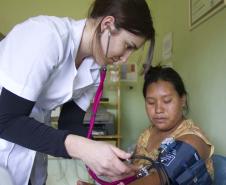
219	163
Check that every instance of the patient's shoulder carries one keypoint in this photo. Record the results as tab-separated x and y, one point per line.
198	143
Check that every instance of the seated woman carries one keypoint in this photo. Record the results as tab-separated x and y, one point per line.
166	105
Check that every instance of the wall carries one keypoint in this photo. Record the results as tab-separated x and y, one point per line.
13	12
199	56
133	115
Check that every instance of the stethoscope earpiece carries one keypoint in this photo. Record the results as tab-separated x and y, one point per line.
109	32
108	42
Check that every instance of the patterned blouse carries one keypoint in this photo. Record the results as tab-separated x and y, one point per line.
186	127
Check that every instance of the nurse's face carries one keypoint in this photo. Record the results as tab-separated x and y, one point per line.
120	44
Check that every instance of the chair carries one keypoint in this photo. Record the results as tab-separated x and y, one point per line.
219	163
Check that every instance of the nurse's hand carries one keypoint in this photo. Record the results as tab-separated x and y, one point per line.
102	158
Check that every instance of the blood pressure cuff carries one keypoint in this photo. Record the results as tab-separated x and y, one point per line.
183	164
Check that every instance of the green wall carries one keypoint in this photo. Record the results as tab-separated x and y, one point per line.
200	57
13	11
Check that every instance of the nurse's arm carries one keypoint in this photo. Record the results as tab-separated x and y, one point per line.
17	127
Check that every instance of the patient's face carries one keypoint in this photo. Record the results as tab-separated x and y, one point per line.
164	106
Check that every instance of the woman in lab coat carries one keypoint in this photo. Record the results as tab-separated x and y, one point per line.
46	62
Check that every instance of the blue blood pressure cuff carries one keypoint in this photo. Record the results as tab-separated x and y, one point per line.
182	163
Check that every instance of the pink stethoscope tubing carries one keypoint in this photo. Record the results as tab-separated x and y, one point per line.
96	102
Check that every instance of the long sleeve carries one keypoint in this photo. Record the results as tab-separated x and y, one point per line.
16	126
71	118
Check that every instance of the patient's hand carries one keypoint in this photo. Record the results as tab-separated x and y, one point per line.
83	183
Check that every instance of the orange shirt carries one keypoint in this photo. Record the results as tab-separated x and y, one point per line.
186	127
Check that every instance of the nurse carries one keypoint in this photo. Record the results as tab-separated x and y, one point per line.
47	62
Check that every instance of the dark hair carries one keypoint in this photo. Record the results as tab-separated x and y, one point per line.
166	74
131	15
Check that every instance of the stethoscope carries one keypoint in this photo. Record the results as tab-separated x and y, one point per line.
92	121
96	102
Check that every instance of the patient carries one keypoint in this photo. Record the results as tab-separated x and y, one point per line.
166	106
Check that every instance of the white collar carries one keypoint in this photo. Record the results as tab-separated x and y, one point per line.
88	71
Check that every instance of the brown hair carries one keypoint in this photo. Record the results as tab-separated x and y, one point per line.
131	15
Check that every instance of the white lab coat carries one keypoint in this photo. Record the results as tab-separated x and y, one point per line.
37	63
5	177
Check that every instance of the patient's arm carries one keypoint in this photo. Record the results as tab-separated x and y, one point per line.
152	179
